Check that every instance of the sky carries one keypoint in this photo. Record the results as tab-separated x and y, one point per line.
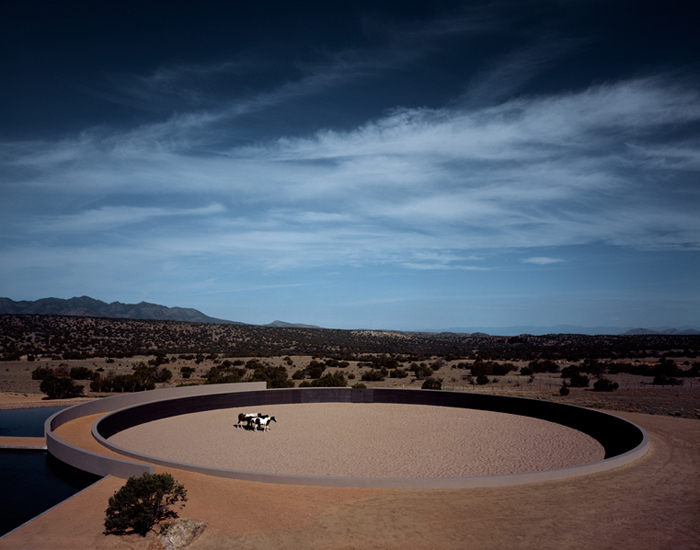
406	165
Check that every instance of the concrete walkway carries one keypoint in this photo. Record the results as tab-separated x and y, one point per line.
23	443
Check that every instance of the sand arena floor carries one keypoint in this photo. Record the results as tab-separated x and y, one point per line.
366	440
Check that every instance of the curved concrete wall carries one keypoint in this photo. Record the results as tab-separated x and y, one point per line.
102	465
623	441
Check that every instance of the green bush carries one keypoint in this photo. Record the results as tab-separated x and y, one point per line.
276	377
186	372
579	381
373	376
60	387
122	383
502	369
82	373
421	371
564	390
40	373
431	384
142	502
482	379
329	380
544	366
398	373
660	380
480	367
570	371
605	385
315	369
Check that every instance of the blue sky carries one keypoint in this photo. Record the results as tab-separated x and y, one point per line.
393	165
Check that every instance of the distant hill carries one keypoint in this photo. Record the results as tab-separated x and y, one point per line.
567	329
85	306
282	324
670	331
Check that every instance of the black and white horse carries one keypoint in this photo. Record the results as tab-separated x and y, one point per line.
264	423
248	419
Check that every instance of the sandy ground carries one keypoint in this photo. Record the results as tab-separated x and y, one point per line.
366	440
652	503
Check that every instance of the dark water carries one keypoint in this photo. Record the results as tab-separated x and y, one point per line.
25	422
31	482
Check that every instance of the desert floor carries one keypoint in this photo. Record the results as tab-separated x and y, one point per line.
651	503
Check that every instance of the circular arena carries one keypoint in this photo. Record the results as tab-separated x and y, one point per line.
343	437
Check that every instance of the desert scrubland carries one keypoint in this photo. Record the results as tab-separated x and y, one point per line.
655	374
648	504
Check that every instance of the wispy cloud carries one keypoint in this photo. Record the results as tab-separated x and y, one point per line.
507	76
542	260
111	217
531	172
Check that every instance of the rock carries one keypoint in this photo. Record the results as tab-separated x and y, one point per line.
180	533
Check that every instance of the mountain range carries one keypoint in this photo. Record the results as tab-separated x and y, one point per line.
84	306
569	329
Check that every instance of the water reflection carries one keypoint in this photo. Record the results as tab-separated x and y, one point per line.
31	482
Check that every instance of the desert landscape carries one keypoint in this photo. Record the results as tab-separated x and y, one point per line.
650	503
486	205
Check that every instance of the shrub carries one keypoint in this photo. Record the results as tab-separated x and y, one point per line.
329	380
373	376
62	370
122	383
40	373
162	375
143	502
544	366
276	377
224	374
431	384
482	379
398	373
571	370
605	385
564	390
502	369
60	387
579	381
660	380
315	369
158	360
422	371
81	373
359	386
186	372
437	365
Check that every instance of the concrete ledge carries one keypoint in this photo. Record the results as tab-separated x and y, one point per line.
23	443
623	441
103	465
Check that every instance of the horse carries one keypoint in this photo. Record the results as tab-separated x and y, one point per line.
264	423
248	418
